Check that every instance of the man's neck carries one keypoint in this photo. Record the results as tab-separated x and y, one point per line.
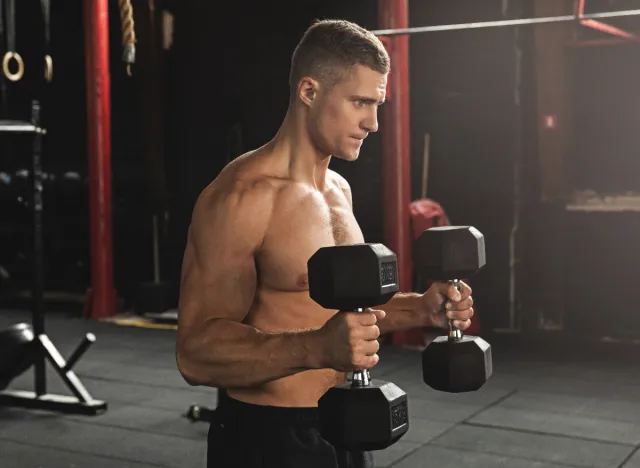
295	150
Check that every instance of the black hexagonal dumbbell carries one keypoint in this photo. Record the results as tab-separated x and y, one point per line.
454	363
365	414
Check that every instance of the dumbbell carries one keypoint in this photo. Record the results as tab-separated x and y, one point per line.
365	414
457	362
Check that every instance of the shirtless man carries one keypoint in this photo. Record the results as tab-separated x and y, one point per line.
246	322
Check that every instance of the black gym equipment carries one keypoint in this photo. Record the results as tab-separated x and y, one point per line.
17	352
153	298
454	363
31	346
365	414
199	413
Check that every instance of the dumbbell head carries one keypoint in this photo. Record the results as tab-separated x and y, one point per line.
449	252
366	418
456	366
348	277
455	363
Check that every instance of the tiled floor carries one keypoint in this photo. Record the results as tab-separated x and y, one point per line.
534	412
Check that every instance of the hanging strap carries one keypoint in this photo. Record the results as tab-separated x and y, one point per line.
46	18
11	55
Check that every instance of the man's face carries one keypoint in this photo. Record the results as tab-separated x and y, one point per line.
343	116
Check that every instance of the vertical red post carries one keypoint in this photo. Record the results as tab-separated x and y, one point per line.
396	149
96	31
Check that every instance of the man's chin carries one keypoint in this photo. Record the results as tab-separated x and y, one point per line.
347	156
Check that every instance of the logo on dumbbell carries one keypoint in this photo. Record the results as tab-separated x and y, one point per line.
388	274
399	415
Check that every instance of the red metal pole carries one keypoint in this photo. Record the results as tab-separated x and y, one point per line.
395	130
96	30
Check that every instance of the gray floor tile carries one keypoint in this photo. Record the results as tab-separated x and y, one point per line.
424	430
431	456
442	411
66	434
387	457
15	455
149	420
562	424
633	462
535	446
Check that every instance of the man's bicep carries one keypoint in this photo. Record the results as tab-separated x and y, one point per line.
219	281
219	274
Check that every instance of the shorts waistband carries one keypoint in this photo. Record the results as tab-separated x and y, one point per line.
230	409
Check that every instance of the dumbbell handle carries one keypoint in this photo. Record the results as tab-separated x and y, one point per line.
455	334
359	377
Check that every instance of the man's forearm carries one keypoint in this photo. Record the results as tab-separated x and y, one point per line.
403	312
227	354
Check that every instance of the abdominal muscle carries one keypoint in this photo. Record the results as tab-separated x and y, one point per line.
276	312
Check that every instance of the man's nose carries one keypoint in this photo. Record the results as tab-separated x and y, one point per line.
370	124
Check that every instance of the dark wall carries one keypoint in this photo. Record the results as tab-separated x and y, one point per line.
65	150
231	67
227	93
606	106
228	70
463	85
462	93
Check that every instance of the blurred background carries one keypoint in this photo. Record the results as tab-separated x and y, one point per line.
532	139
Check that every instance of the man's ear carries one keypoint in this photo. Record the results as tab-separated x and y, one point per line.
308	90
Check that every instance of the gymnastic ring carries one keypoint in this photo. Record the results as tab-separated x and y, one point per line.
48	68
5	66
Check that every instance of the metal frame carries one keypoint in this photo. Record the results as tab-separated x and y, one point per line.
515	22
81	402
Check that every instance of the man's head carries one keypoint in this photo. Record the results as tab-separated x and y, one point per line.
339	75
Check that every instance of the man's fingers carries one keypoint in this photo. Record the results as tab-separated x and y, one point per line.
371	317
464	304
456	294
453	294
371	332
369	348
460	314
368	362
461	324
447	292
465	290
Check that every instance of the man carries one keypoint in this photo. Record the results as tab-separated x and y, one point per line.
246	321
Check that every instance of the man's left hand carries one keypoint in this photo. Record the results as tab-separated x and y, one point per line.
458	308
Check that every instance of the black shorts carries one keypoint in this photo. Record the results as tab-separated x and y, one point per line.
243	435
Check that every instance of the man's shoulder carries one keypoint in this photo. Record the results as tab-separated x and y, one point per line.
341	183
337	178
238	192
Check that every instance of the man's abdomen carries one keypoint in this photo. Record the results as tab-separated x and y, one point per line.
289	311
302	390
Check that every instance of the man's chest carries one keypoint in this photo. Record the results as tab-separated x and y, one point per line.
296	232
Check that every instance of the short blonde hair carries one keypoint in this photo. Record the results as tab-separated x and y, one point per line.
330	48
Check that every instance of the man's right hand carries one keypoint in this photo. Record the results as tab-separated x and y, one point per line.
349	340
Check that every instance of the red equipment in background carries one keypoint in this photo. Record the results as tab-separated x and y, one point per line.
100	301
395	129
